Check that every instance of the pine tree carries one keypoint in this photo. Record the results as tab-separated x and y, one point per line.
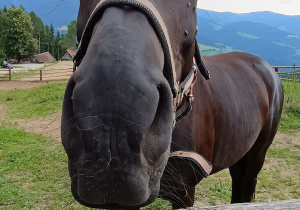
68	41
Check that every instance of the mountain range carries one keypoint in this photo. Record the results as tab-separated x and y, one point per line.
274	37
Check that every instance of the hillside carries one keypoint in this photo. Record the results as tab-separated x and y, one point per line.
282	22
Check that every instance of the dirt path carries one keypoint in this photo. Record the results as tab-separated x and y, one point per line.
47	126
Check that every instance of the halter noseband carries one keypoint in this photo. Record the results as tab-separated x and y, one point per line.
181	91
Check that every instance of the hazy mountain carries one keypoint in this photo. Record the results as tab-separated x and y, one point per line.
282	22
224	32
272	36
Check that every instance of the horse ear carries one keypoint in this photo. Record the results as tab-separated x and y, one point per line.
202	68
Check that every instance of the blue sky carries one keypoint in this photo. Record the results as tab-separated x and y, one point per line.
287	7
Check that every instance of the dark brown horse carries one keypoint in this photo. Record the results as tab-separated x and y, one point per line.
136	73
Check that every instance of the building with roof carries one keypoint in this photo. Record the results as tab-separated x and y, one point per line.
69	55
45	57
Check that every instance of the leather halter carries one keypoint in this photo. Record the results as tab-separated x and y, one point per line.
181	90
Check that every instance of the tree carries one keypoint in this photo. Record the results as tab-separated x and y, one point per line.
39	32
68	41
21	6
58	49
4	9
20	34
3	33
46	40
51	40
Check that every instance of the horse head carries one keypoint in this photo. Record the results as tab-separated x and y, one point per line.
134	64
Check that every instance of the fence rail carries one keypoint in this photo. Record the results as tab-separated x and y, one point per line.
278	205
293	76
36	75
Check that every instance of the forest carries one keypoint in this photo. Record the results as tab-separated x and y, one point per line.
23	34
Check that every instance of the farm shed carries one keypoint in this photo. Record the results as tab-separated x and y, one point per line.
45	57
69	55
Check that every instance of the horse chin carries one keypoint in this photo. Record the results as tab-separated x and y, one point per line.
151	199
129	201
131	186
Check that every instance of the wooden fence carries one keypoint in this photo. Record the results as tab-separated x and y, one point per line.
37	75
288	76
5	74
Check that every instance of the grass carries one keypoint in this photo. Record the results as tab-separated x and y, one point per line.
36	102
290	120
279	179
33	168
33	172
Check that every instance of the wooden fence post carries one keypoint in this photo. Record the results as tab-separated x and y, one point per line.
294	75
9	74
41	75
276	69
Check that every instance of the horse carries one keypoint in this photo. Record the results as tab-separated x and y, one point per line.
146	116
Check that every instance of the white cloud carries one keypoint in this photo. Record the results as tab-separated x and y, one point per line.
288	7
63	28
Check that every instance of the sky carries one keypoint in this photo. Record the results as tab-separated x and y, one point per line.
286	7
